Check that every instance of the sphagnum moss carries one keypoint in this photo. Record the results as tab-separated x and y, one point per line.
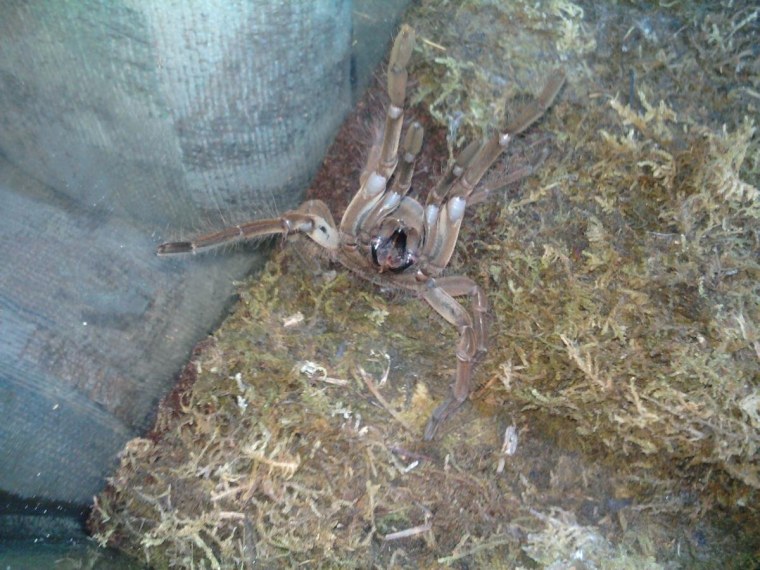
623	279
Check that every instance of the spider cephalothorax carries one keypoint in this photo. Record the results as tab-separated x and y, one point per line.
390	238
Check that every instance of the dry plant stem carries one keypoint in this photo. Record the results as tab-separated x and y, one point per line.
383	402
406	533
479	548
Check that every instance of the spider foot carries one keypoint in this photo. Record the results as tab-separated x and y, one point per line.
440	414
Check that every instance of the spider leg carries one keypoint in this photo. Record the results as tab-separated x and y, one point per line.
459	286
401	53
489	152
312	218
439	294
402	181
380	168
445	206
483	193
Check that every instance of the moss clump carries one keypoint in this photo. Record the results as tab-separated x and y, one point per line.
637	294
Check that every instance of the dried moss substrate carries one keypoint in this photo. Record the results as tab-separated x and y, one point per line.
627	270
281	454
623	276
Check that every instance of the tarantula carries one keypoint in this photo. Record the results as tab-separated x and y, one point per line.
390	238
